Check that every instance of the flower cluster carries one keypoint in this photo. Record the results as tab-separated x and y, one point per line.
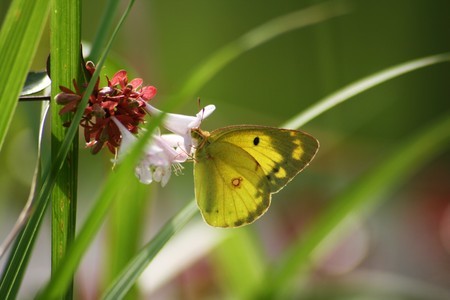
125	100
112	118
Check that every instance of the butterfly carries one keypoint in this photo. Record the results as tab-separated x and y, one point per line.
238	168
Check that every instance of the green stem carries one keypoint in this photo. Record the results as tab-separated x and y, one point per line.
65	66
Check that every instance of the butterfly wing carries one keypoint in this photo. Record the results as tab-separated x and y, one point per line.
239	167
282	153
229	186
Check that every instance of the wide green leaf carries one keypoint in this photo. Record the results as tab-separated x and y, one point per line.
19	38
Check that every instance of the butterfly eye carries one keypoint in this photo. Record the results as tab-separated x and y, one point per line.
256	141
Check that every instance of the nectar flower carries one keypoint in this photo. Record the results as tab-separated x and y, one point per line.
125	100
161	155
182	124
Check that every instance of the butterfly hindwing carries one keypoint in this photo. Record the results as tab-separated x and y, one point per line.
235	192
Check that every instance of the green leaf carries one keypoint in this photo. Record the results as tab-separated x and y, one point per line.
19	38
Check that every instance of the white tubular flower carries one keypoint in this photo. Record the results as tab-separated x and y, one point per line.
182	124
161	154
128	139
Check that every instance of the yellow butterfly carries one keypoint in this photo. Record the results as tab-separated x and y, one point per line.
237	168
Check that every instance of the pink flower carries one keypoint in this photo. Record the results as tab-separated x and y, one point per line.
125	100
162	154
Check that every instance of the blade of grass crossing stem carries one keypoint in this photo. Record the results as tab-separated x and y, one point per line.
363	195
102	33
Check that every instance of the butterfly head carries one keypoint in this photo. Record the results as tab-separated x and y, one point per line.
200	136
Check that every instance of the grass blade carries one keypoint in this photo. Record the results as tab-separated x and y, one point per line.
126	223
361	196
26	211
102	33
19	38
257	37
131	273
363	85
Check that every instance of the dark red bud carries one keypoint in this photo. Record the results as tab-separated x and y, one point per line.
64	98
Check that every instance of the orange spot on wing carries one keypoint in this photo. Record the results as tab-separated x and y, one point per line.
236	182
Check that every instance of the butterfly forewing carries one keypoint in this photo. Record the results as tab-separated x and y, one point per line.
282	153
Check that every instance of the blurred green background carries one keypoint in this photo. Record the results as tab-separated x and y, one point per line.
402	247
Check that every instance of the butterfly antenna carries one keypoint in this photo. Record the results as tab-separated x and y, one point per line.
203	109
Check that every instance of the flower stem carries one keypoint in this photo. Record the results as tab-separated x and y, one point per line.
65	66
